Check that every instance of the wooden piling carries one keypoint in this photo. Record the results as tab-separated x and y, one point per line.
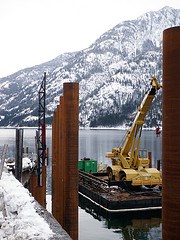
158	165
19	152
150	159
27	151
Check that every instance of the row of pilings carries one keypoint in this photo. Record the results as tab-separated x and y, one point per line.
65	134
38	192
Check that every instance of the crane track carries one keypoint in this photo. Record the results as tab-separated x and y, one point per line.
92	181
101	185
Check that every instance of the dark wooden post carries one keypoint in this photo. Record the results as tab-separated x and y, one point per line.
150	159
19	152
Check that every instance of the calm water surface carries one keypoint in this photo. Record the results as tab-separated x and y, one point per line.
95	144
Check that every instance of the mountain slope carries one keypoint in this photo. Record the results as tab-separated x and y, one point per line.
113	74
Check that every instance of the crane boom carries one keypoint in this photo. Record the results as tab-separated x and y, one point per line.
128	162
140	116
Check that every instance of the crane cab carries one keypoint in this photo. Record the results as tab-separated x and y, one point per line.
143	160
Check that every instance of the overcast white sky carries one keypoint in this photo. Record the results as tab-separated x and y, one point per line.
35	31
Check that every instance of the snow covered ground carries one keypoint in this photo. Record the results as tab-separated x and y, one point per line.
18	216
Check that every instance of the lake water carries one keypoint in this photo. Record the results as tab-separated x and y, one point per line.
94	144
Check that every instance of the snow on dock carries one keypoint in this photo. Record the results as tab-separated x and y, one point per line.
21	217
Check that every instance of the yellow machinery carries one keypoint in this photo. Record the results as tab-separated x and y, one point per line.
129	163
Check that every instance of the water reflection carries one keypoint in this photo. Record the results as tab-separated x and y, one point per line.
146	227
128	226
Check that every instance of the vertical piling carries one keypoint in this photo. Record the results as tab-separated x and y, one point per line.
33	184
65	132
57	170
171	134
19	152
54	164
41	190
70	157
27	151
62	213
158	165
150	159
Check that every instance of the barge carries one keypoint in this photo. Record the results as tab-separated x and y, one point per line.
130	184
111	198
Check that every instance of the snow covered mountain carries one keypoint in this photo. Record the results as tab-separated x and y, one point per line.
113	75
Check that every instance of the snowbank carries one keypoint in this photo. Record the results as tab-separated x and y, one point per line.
18	216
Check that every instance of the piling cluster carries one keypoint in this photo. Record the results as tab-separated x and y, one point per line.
65	128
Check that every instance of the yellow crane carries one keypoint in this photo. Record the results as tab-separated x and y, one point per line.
129	163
